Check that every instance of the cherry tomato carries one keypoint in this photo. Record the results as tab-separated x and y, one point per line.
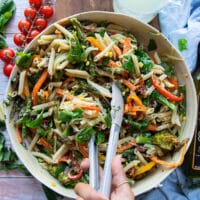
30	13
33	34
19	38
40	24
35	3
7	54
24	26
7	69
47	11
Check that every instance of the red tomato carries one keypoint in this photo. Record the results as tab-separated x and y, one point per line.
7	54
30	13
33	34
19	38
40	24
7	69
47	11
35	3
24	26
73	176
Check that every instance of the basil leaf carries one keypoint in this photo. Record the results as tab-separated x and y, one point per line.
85	135
34	123
7	8
100	137
3	43
169	70
24	59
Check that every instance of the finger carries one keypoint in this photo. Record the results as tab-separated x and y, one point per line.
86	192
79	198
85	164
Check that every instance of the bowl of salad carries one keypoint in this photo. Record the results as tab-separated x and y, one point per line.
59	96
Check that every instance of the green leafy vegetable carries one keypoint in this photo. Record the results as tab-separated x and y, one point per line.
7	8
169	70
182	44
144	58
137	126
100	137
76	52
129	154
24	59
161	99
143	139
66	116
128	64
3	43
152	45
85	135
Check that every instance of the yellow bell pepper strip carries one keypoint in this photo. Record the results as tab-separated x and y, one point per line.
93	41
126	146
38	85
127	45
173	164
166	93
129	85
144	168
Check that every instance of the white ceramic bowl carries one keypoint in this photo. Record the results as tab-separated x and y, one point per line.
143	33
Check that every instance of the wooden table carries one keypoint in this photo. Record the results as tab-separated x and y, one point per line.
14	185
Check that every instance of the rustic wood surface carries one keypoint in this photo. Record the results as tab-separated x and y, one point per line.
14	185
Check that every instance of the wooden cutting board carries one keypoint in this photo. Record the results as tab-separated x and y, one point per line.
66	8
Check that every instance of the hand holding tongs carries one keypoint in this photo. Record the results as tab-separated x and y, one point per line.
117	109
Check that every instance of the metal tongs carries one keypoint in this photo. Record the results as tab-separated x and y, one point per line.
117	108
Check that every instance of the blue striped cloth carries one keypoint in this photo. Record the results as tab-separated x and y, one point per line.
179	19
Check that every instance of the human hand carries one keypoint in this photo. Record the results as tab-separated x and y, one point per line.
120	187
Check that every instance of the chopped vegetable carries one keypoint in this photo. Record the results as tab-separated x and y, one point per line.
128	64
24	60
182	44
85	135
145	168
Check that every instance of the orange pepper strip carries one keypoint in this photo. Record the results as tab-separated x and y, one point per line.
44	143
19	134
93	41
117	50
173	164
128	84
127	146
174	82
38	85
82	150
127	45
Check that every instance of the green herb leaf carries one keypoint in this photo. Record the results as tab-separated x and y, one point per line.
128	64
152	45
7	8
85	135
24	59
182	44
169	70
34	123
66	116
100	137
3	43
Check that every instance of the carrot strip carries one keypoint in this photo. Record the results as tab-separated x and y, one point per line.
152	127
127	45
129	85
173	164
93	41
117	50
112	64
87	107
19	134
82	150
127	146
174	82
61	92
38	85
44	143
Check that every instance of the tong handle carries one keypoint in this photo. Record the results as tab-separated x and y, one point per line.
94	168
111	151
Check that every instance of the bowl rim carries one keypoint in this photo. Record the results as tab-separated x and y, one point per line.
78	15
